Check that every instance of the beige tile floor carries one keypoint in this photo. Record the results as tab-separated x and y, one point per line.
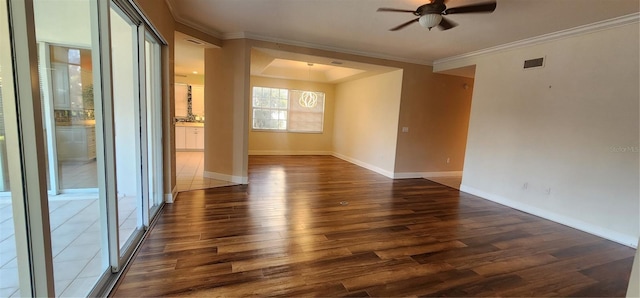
190	172
75	242
74	175
75	229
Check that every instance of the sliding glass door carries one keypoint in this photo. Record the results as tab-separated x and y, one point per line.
67	73
153	95
90	145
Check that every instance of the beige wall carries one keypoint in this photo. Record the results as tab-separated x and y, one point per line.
197	34
275	143
226	106
225	95
427	100
366	121
435	108
561	141
159	15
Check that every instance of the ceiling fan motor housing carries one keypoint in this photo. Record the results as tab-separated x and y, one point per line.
430	8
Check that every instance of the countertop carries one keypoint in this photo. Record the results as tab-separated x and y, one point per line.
190	124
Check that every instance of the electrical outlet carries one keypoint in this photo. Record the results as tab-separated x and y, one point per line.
525	186
405	129
548	191
448	160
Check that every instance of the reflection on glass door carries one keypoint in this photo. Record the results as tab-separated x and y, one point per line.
103	158
64	35
73	117
9	281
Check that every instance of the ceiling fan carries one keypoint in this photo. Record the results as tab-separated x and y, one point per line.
431	14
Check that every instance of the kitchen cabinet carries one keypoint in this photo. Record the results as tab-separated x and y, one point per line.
76	142
189	138
180	137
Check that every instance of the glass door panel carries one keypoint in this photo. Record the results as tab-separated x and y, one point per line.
154	123
9	264
126	108
63	31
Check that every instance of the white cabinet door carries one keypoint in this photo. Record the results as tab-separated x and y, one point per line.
194	138
180	137
181	100
200	138
75	143
197	100
191	136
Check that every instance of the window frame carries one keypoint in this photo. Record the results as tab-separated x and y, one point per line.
287	118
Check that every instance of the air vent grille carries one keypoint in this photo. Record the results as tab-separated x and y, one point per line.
194	41
531	63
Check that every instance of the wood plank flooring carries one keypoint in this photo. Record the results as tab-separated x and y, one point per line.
287	234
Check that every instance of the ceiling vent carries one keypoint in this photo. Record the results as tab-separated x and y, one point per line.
194	41
534	63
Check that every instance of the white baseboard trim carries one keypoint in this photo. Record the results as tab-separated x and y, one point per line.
441	174
407	175
623	239
427	175
364	165
288	152
171	197
225	177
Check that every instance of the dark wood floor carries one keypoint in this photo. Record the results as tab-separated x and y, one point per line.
287	234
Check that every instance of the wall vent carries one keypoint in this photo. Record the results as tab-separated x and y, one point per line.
193	41
531	63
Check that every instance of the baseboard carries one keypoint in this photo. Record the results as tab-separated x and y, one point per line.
407	175
623	239
288	152
364	165
427	175
225	177
171	197
441	174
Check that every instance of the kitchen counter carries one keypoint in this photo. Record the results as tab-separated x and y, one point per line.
189	124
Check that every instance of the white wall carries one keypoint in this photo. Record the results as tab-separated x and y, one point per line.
569	131
366	121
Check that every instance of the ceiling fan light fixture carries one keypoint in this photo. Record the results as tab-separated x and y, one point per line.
430	20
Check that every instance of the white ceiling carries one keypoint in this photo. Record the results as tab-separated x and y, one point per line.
354	26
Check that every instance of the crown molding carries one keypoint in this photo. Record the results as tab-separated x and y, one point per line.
249	35
589	28
171	8
180	19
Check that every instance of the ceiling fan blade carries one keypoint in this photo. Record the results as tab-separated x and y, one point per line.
396	28
394	10
446	24
481	7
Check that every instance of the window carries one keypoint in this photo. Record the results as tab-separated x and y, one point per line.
287	110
